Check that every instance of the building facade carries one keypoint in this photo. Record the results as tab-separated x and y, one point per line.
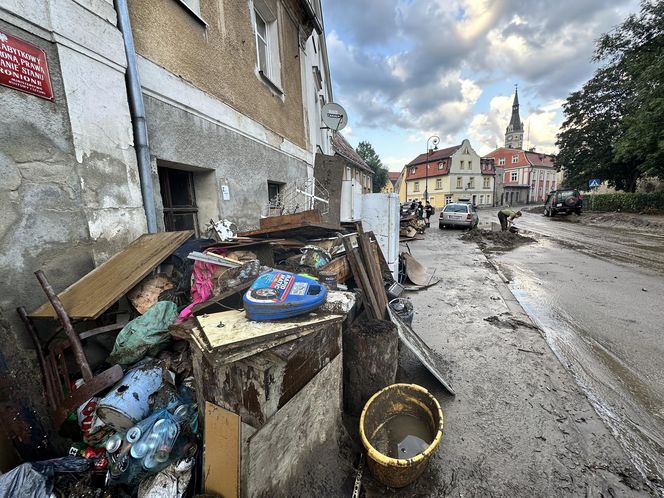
392	178
526	176
232	92
451	174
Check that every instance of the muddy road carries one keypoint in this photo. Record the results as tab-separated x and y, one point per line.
597	292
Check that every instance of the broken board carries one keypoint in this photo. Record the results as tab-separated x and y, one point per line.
93	294
221	458
419	348
232	332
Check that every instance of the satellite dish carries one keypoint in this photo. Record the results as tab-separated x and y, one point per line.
335	117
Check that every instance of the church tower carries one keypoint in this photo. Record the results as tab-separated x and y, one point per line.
514	132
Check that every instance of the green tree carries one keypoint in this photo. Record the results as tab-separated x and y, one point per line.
614	125
368	154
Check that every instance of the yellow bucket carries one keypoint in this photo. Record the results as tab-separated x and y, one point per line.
392	401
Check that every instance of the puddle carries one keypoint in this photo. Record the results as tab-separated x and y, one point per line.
402	436
624	400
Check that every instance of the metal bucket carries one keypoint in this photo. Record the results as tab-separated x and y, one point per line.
394	400
127	403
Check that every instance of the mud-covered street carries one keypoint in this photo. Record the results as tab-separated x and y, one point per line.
519	425
594	285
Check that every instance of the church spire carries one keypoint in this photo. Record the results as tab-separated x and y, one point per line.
514	132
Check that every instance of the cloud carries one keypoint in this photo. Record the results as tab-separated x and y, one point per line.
487	130
421	65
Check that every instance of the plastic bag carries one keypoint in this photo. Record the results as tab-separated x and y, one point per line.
35	480
145	334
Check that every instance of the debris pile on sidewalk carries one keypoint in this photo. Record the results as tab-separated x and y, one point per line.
496	241
189	365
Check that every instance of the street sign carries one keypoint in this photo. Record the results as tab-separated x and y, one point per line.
24	67
595	182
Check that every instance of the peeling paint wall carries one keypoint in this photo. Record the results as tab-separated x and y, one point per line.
71	195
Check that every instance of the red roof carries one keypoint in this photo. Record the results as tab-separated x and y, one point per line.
436	155
526	158
393	175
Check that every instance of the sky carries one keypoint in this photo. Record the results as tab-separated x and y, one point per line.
409	69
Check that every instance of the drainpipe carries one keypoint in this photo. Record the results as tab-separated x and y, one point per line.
137	112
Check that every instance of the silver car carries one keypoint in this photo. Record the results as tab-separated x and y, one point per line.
458	215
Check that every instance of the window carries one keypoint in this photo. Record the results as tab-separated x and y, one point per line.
487	181
412	171
514	176
481	199
459	180
462	164
267	43
470	164
488	199
416	187
441	165
501	161
349	174
471	182
448	199
439	183
515	159
179	200
274	191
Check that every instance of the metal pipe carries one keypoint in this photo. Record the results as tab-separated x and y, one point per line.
137	111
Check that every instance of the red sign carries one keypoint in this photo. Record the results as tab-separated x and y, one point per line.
24	67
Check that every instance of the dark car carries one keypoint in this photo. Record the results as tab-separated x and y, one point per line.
564	201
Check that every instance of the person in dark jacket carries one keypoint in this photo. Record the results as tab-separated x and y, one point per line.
428	212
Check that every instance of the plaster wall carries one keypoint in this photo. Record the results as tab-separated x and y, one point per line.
220	58
218	157
70	196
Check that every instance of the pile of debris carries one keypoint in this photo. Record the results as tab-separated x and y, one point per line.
185	365
496	241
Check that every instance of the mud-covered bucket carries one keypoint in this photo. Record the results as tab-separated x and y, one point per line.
400	427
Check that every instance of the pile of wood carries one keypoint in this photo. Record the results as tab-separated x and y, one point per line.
361	255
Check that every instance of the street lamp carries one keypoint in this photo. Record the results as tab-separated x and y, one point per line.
434	139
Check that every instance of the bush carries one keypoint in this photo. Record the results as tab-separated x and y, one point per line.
625	201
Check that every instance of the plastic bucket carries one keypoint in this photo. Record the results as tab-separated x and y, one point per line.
392	401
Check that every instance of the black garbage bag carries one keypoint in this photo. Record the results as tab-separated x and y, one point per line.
182	270
35	479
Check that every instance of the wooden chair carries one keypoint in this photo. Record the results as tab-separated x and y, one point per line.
61	395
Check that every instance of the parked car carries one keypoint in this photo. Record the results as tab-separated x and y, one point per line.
563	201
458	214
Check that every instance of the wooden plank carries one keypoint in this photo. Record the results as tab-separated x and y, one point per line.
312	216
224	295
373	272
297	230
98	290
221	457
237	331
361	279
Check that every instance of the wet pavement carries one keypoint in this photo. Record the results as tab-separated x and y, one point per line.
597	293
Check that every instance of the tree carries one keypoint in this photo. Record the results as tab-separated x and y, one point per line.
368	154
614	125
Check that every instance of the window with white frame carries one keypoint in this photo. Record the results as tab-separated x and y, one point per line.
488	199
267	42
441	165
461	164
514	176
416	187
439	183
448	199
459	181
412	171
487	181
515	159
501	161
471	182
481	199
